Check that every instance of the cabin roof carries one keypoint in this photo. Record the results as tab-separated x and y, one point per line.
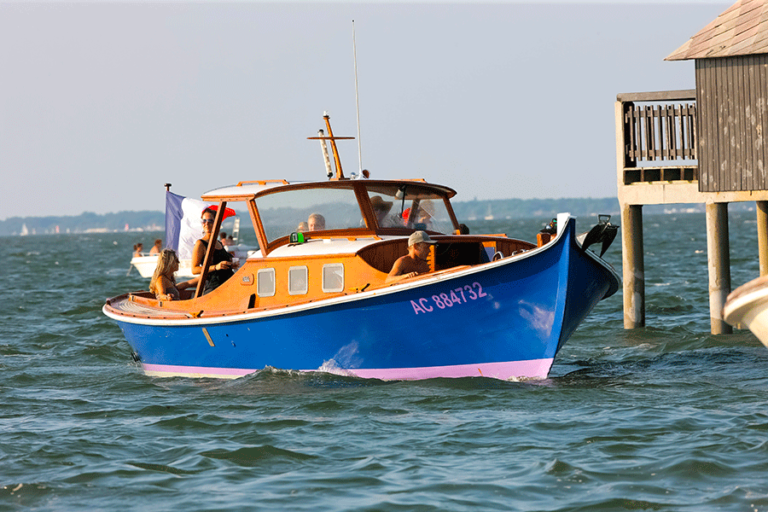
248	189
742	29
243	189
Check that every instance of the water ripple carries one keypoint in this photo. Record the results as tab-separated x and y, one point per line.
668	417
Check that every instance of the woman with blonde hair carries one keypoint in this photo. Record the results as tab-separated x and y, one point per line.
163	283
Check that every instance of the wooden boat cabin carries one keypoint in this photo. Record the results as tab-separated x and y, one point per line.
321	240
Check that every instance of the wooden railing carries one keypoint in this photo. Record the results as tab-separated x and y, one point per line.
663	132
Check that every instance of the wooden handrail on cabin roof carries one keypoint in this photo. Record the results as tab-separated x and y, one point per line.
261	182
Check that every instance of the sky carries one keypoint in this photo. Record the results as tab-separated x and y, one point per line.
103	103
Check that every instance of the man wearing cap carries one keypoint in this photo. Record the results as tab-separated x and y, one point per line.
415	262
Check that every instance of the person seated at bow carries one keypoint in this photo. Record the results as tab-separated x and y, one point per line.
415	262
316	222
163	283
137	248
220	268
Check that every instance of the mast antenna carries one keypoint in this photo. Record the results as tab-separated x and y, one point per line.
336	158
357	106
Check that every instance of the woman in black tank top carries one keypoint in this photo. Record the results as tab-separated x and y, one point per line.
221	266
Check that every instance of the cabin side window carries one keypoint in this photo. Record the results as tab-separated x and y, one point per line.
265	282
298	282
333	277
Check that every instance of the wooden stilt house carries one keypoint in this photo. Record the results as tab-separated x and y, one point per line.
712	149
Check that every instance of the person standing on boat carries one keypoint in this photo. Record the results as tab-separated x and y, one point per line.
221	266
415	262
163	283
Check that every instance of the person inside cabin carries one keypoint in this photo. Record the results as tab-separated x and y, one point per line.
381	209
424	214
221	266
163	283
316	222
137	248
415	262
156	248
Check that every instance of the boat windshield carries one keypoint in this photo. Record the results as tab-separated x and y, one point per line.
410	206
309	209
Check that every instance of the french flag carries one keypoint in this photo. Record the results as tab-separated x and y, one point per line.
182	222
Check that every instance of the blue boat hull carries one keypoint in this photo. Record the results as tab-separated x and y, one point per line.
506	319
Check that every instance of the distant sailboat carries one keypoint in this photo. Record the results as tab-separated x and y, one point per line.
24	230
489	215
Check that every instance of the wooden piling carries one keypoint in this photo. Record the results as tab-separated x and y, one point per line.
633	266
762	235
719	264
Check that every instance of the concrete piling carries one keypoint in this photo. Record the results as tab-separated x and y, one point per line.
633	266
719	265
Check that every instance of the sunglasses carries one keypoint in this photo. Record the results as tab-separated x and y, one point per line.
207	221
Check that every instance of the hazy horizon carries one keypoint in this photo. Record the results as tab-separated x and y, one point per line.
101	104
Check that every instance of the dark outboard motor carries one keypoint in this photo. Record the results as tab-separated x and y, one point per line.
603	232
551	228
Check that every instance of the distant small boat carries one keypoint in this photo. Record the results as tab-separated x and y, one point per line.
747	307
147	263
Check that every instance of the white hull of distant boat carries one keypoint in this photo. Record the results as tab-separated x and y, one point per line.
747	307
146	264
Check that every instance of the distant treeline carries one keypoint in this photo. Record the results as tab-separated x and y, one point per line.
533	208
474	210
88	221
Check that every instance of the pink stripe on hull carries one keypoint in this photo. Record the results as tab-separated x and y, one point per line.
532	369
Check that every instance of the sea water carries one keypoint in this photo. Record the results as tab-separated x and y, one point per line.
668	417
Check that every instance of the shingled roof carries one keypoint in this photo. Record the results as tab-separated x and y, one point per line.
742	29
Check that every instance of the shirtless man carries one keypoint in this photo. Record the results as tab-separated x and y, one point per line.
415	262
157	248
